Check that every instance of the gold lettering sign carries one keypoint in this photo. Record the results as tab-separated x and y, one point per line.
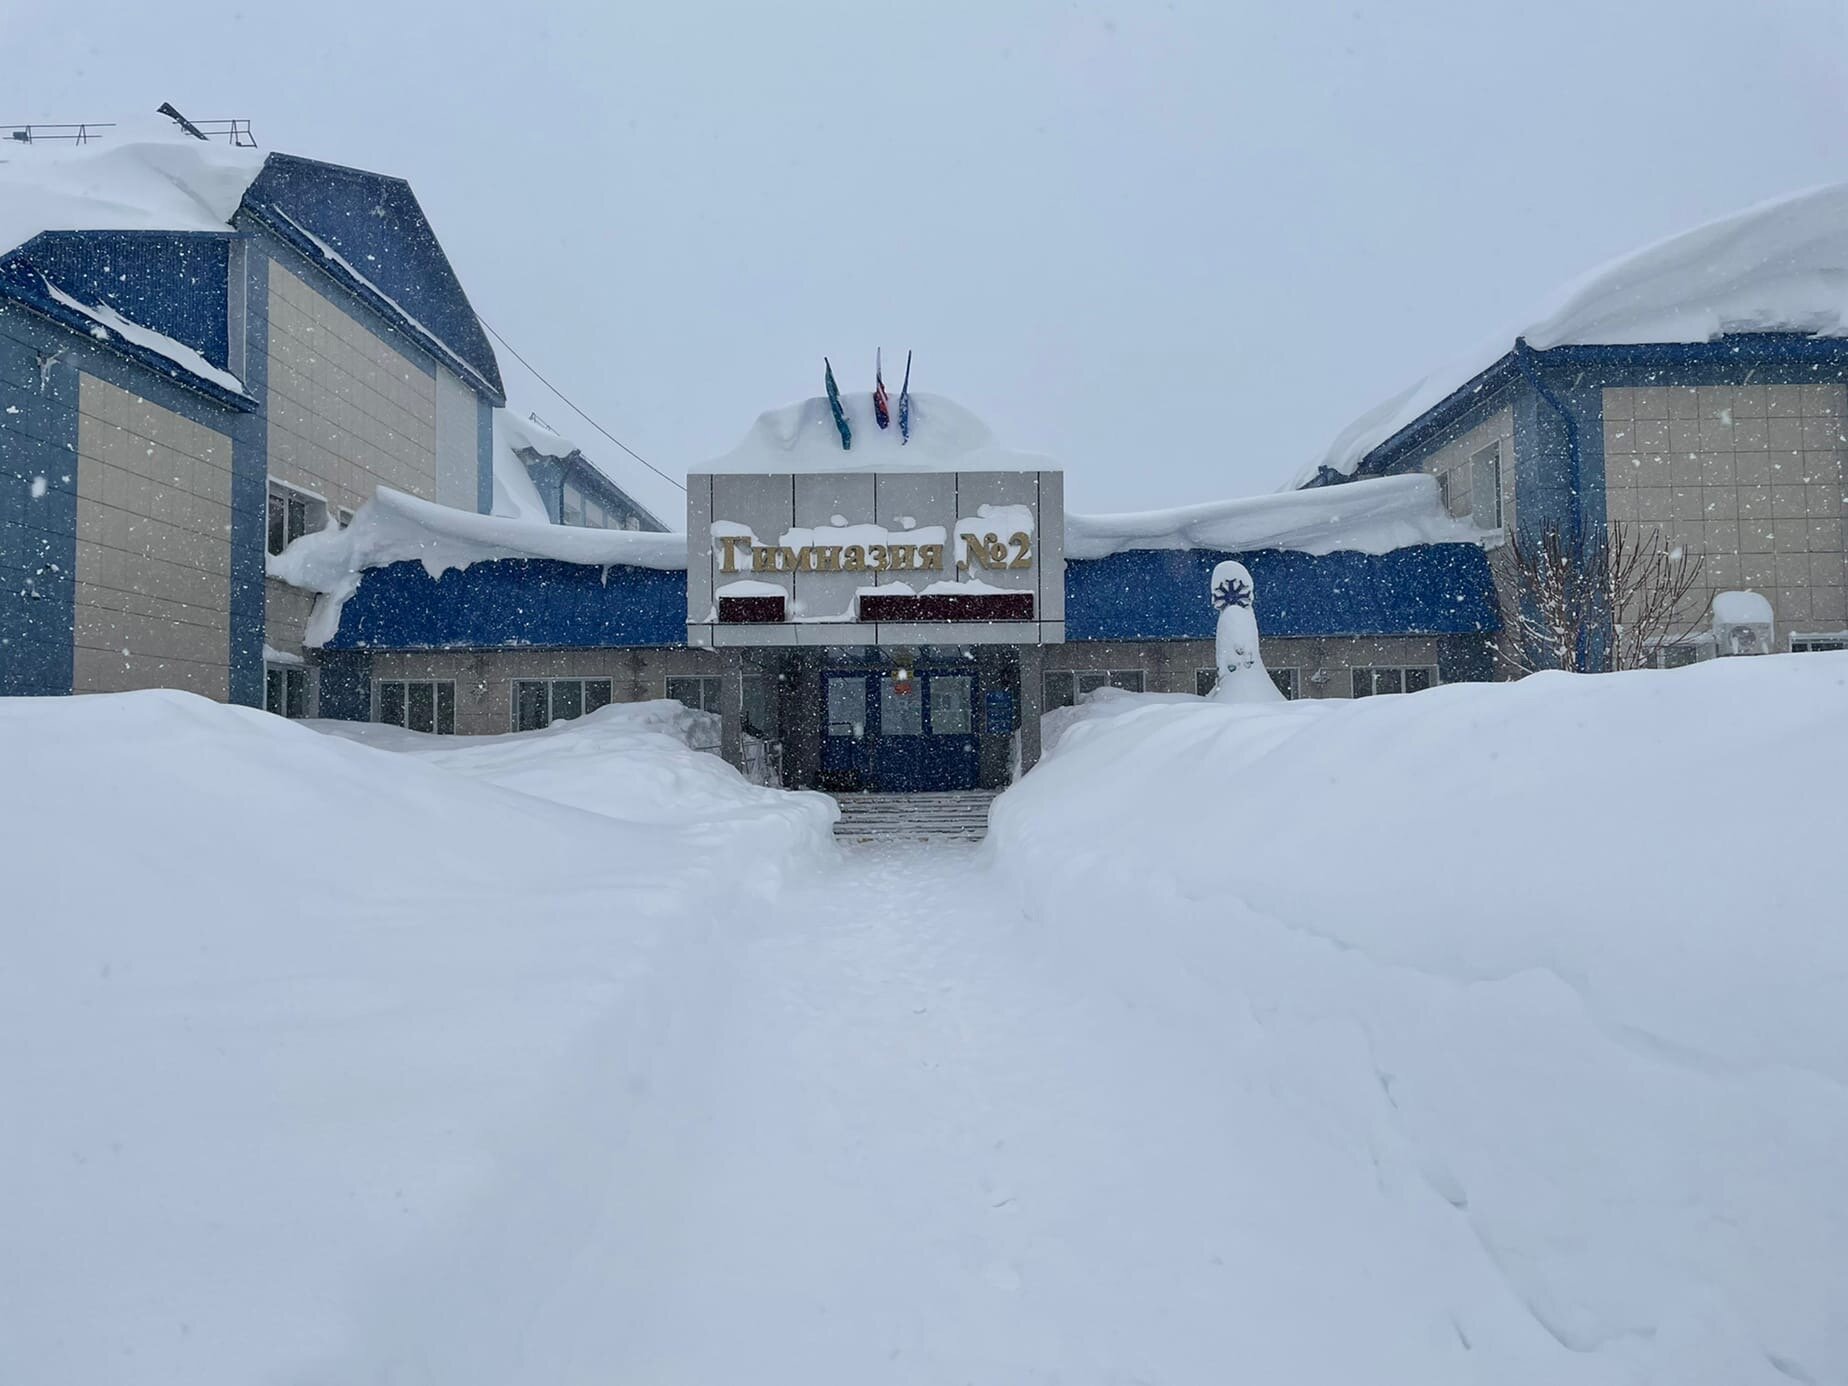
990	552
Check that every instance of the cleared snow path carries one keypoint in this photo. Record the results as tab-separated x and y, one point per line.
900	1133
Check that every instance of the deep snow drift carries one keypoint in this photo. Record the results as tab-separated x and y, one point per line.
292	1029
1547	976
1487	1035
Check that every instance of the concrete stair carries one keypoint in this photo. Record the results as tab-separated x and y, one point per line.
956	816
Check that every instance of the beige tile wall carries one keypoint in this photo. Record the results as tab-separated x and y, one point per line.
348	413
153	547
1750	477
285	615
1454	458
484	680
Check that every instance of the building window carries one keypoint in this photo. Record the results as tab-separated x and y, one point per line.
697	691
1673	657
1413	679
540	702
951	709
1288	682
419	705
1065	687
285	690
1486	487
293	513
1814	644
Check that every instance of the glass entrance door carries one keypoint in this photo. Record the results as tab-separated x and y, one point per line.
926	737
847	730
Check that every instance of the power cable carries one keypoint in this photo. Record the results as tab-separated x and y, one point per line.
574	409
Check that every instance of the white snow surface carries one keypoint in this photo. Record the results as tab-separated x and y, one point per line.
1373	516
379	1063
945	437
1506	1084
143	183
107	320
393	528
515	496
1778	266
1741	609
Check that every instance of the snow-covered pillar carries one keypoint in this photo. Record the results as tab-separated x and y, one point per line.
1032	703
1240	667
731	707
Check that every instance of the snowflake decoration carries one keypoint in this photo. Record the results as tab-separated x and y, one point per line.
1232	592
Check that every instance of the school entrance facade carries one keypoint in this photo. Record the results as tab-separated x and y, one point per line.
882	628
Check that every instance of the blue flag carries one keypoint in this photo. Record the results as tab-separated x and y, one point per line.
904	404
840	414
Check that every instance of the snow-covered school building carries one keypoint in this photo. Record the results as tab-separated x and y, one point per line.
895	615
251	445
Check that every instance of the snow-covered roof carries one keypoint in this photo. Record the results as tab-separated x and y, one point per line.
945	437
143	184
1374	516
1779	266
515	496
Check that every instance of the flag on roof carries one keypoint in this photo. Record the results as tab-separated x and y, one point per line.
834	403
882	402
904	404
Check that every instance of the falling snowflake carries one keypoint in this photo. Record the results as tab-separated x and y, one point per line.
38	488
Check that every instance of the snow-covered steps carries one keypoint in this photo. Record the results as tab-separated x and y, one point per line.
957	816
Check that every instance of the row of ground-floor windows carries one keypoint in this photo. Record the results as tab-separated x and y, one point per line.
1066	687
420	705
540	702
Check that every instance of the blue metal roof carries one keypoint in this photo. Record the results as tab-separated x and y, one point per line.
1161	594
375	223
514	602
1431	589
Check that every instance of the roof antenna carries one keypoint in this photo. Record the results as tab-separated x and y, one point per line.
166	109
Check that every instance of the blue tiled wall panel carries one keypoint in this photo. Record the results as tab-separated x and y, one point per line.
1162	594
172	282
38	510
377	226
513	602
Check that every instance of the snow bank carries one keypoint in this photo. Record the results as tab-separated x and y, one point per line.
802	437
139	184
1779	266
1543	981
291	1035
1373	516
639	763
394	528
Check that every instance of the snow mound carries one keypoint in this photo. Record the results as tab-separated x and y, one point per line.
288	1024
1557	1028
634	762
945	437
1374	516
144	184
1779	266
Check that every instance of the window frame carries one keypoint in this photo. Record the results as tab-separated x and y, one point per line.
296	674
436	687
1818	644
1492	455
712	683
312	507
552	715
1372	672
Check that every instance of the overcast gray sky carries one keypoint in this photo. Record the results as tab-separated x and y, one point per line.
1175	246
